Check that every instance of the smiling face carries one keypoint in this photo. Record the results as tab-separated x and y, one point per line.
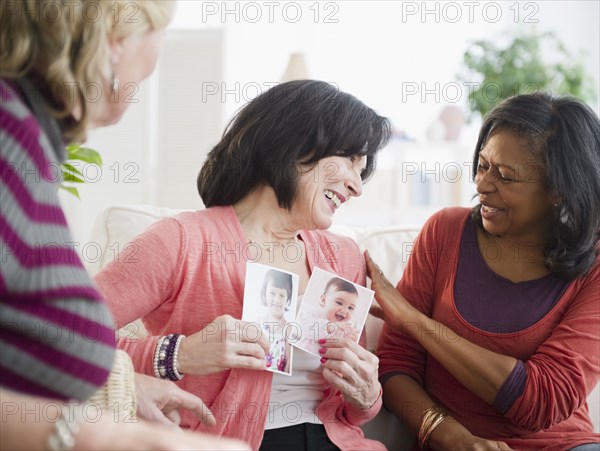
339	305
277	300
323	188
510	182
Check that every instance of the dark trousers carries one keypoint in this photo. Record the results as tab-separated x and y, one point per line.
301	437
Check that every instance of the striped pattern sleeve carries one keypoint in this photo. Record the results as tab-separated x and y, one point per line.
55	331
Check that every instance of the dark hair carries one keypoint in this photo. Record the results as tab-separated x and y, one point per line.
565	133
280	280
341	285
298	122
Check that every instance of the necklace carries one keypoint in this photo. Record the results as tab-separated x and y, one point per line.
268	245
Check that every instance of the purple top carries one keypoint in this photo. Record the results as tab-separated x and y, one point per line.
481	297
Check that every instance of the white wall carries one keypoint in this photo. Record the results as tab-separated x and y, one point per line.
377	50
153	154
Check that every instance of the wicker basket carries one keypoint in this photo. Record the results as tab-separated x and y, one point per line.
117	395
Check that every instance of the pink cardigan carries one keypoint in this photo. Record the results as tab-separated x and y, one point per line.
561	351
181	274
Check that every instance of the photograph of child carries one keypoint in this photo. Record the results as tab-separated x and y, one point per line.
332	307
270	297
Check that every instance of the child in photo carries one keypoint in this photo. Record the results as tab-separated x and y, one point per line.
276	297
331	317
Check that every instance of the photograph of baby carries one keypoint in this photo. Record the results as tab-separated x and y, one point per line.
332	307
270	297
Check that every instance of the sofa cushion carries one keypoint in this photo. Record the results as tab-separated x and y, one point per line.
117	226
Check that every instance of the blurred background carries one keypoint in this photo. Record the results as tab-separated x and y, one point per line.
432	67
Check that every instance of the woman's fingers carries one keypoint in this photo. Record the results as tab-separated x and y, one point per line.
174	417
250	363
372	269
377	312
338	380
252	333
392	308
154	414
360	391
347	347
378	279
194	404
248	349
352	370
349	364
243	355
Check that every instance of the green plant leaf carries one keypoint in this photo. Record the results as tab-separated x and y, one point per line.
71	189
69	177
67	167
507	68
76	152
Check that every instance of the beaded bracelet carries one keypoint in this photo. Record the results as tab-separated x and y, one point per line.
157	350
432	417
176	375
165	357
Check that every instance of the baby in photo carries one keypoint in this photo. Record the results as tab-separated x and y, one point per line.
337	310
268	306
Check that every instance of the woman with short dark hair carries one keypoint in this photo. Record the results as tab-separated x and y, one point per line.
285	164
493	331
292	125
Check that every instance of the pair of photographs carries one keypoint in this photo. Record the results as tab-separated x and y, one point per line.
331	308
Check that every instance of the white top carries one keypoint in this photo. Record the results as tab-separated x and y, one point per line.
294	398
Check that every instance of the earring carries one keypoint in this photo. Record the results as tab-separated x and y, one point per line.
564	215
114	81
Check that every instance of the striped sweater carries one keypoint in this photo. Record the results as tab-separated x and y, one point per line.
56	332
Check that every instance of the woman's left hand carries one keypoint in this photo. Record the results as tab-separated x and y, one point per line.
351	369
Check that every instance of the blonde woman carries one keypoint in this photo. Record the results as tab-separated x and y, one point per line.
53	56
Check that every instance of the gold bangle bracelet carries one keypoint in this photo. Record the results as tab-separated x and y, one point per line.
432	418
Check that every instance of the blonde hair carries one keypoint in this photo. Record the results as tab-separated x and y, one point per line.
65	45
